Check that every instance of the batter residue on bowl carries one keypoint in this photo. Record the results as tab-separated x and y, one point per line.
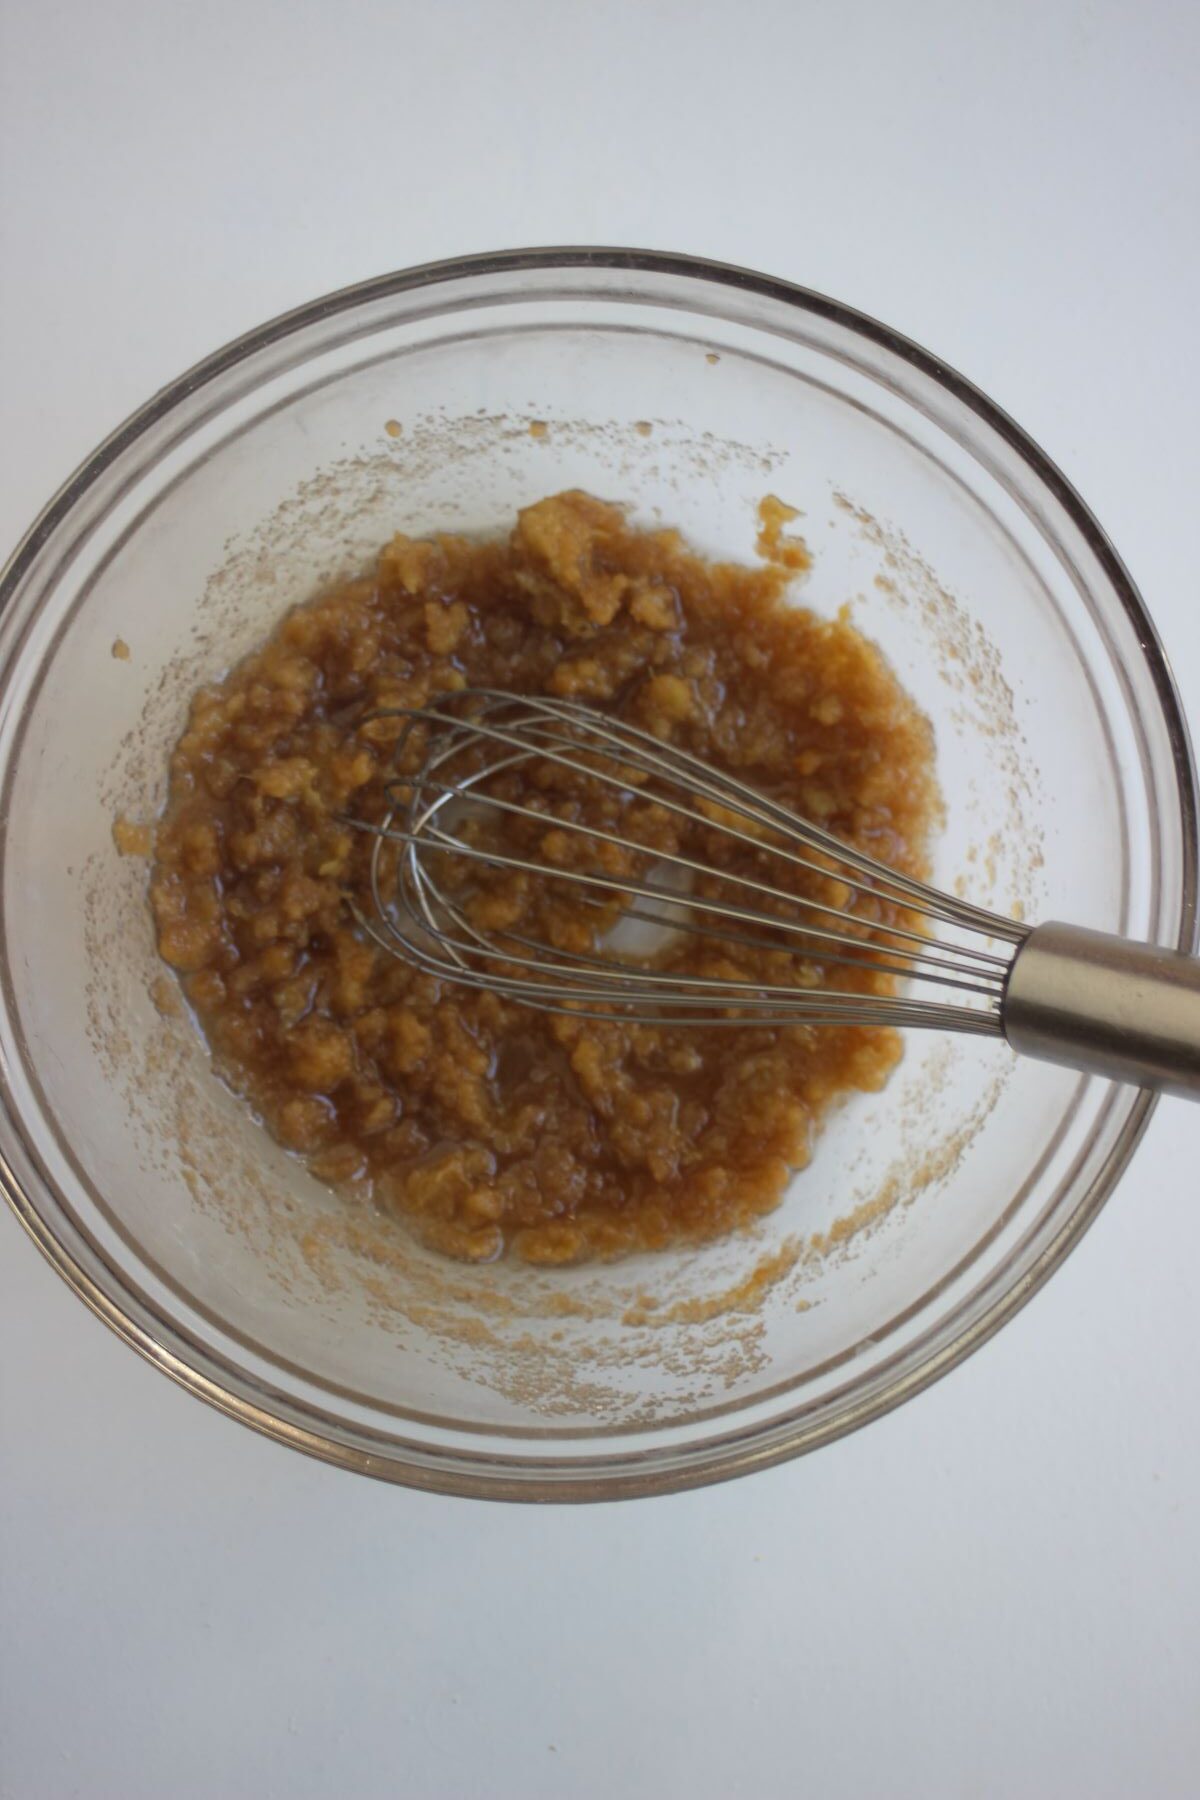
488	1126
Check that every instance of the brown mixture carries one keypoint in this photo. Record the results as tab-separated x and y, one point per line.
487	1125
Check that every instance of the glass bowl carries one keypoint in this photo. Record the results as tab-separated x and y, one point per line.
447	397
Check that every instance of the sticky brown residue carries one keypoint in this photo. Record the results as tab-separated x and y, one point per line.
165	994
787	552
919	1168
743	1296
644	427
538	428
1006	861
120	650
132	839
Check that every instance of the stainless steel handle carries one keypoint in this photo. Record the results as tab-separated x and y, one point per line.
1100	1003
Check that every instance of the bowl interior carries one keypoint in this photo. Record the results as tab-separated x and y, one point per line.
924	1208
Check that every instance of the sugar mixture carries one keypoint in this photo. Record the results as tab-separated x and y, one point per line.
484	1125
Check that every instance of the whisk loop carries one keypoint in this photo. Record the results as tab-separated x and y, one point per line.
451	802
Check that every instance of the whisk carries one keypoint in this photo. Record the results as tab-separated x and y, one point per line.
1061	993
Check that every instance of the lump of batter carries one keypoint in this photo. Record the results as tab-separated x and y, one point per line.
488	1126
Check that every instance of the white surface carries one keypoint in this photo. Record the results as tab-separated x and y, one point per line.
996	1590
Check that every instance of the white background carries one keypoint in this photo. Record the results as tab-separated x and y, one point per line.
994	1591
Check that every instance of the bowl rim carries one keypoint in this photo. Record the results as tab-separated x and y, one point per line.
482	1475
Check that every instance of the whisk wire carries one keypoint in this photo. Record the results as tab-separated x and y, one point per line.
466	753
716	785
922	952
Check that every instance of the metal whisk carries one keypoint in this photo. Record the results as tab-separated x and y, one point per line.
481	773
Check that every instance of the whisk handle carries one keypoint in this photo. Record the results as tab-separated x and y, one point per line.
1100	1003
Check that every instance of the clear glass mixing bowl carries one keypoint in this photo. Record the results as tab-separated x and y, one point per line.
930	1213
